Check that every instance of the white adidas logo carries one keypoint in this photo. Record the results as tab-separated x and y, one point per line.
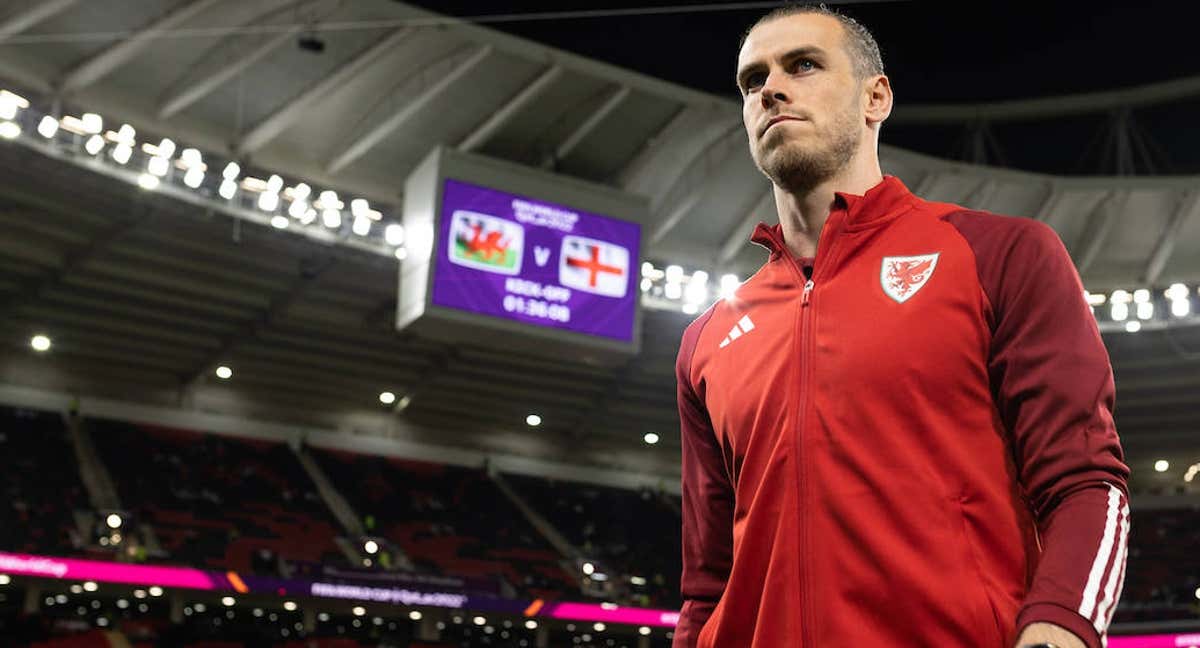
742	327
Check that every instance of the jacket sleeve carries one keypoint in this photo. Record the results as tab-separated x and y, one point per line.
1054	390
707	504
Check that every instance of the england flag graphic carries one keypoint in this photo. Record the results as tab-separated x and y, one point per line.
594	266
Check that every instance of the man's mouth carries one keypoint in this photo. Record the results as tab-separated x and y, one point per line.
776	120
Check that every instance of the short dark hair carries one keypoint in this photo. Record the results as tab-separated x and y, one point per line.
860	44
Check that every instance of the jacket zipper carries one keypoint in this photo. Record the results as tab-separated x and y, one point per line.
804	373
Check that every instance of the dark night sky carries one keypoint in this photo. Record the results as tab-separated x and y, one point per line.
934	51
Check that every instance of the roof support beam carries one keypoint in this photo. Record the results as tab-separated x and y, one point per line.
666	222
110	59
740	234
373	137
603	111
1049	203
271	126
645	157
677	214
277	307
36	13
220	72
1101	223
1188	209
499	119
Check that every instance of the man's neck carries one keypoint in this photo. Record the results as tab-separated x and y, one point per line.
802	215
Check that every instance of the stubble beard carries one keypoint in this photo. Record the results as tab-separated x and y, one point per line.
797	168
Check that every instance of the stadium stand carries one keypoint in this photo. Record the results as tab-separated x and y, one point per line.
219	502
633	532
1162	575
40	483
449	520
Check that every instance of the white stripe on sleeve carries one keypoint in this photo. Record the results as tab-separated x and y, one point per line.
1103	553
1115	575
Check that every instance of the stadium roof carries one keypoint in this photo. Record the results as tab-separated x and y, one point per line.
144	294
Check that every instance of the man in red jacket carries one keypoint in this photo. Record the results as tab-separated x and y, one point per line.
898	432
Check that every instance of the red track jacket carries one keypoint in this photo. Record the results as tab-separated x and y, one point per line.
913	449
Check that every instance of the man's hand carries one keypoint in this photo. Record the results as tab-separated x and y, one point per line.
1036	633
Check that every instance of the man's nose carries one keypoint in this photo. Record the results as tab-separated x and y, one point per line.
772	92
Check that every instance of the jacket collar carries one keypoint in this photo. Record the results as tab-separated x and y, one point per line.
882	202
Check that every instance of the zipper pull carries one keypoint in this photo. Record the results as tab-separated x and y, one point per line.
808	286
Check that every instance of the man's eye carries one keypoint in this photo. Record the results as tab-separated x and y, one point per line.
805	65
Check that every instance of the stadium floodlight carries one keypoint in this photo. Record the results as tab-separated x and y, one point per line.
268	201
194	177
280	221
166	148
729	284
1094	299
158	166
1162	465
301	191
674	274
673	290
599	626
122	152
697	288
274	184
298	209
531	624
227	189
40	343
387	397
1133	327
47	127
1141	296
94	145
228	601
331	218
11	103
1197	592
147	181
5	579
589	568
224	373
126	134
651	438
644	631
401	253
359	207
533	420
393	234
371	547
361	225
647	284
1145	310
9	130
1119	311
329	200
139	593
358	610
479	620
90	586
690	308
231	171
290	606
415	615
113	521
191	157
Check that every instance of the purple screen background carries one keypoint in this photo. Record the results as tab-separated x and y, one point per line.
479	291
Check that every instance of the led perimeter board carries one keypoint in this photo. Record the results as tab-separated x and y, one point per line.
513	257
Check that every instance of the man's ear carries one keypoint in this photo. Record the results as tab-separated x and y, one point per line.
878	98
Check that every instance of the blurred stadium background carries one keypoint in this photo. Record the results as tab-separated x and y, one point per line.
213	434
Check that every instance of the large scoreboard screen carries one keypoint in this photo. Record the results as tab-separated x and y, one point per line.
526	255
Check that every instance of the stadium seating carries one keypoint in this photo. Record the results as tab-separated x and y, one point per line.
634	532
39	483
216	501
449	520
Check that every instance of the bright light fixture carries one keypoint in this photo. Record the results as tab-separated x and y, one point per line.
194	177
156	591
533	420
121	153
331	218
531	624
644	630
227	189
113	521
415	615
227	601
371	547
290	606
362	225
589	568
598	626
224	373
40	342
147	181
94	144
9	130
5	579
479	620
358	610
90	586
47	127
1133	327
279	221
268	201
650	438
393	234
387	397
1162	465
